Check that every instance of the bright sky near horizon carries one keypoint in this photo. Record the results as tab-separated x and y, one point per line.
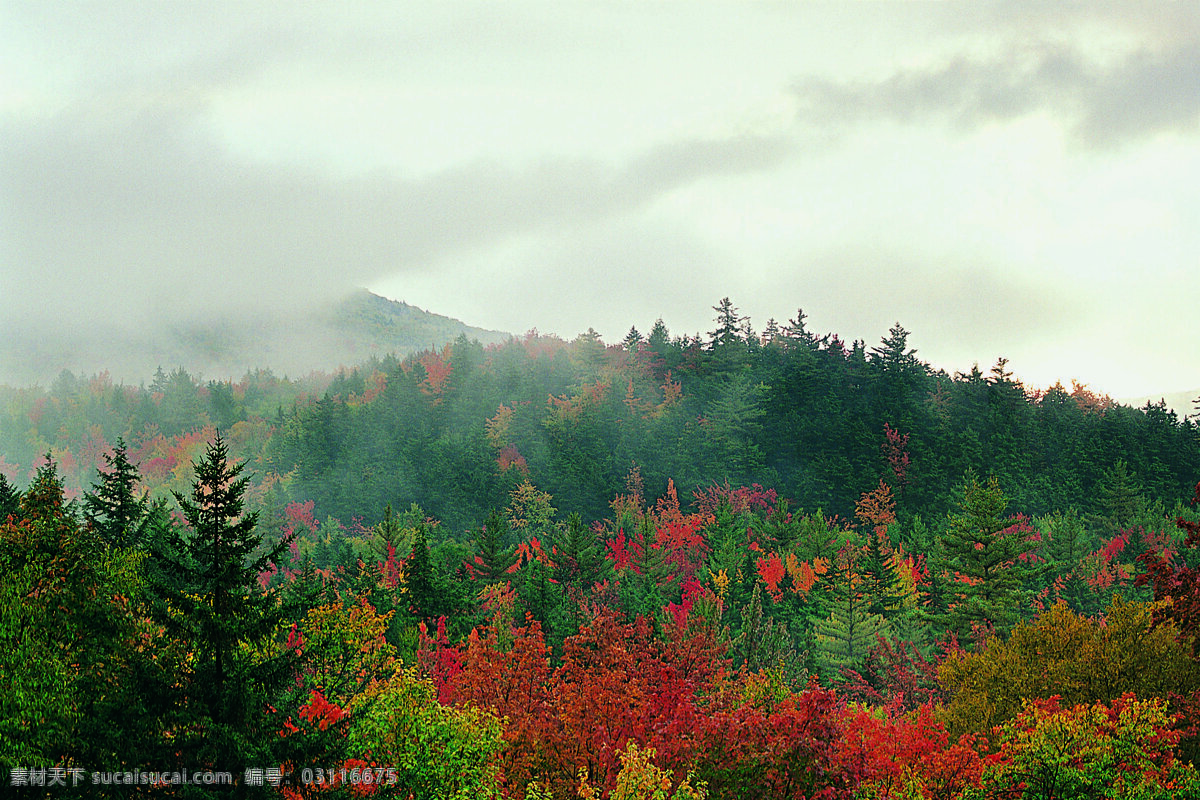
1002	179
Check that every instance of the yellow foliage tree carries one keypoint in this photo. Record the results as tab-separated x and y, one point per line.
640	779
1083	660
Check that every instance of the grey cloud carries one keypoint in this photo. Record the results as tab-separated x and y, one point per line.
1149	93
135	211
1146	93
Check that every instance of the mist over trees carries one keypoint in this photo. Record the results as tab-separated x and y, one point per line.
455	429
549	568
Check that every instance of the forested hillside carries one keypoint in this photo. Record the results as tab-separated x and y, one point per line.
733	565
814	419
289	338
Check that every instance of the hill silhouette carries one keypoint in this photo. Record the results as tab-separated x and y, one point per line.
292	341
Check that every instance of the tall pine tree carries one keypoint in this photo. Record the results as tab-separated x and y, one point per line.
493	559
984	551
420	578
580	561
847	635
10	498
113	508
219	608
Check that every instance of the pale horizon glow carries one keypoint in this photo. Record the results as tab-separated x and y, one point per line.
1003	179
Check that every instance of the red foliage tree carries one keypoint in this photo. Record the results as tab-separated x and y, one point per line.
785	749
1177	587
1177	584
895	449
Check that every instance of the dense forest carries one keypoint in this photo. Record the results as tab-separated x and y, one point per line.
733	565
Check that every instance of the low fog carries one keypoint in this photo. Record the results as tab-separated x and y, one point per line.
1003	180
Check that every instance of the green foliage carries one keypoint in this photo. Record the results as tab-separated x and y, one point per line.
1103	751
1119	500
851	630
493	558
342	649
580	561
762	643
10	498
805	416
390	536
79	661
114	509
1066	542
640	779
984	553
218	607
438	751
420	578
137	622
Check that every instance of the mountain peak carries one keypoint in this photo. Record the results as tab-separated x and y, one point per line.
339	332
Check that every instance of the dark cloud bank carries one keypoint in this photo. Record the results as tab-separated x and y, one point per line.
1145	93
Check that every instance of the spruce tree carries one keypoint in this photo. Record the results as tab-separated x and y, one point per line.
850	631
541	598
1119	500
227	618
581	561
984	548
881	581
494	559
763	643
44	498
420	581
114	509
387	538
10	499
76	653
729	328
651	584
1066	542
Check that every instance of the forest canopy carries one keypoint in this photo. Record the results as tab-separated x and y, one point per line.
455	429
731	565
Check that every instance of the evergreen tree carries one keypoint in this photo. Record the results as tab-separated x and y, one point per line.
73	641
632	340
659	337
797	334
652	577
44	498
580	561
10	499
730	325
226	410
306	589
762	642
1119	500
771	332
851	630
114	509
660	354
984	548
538	596
881	583
387	537
730	556
224	614
420	579
1065	544
899	377
780	528
493	559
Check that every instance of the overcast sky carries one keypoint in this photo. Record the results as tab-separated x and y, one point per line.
1002	180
